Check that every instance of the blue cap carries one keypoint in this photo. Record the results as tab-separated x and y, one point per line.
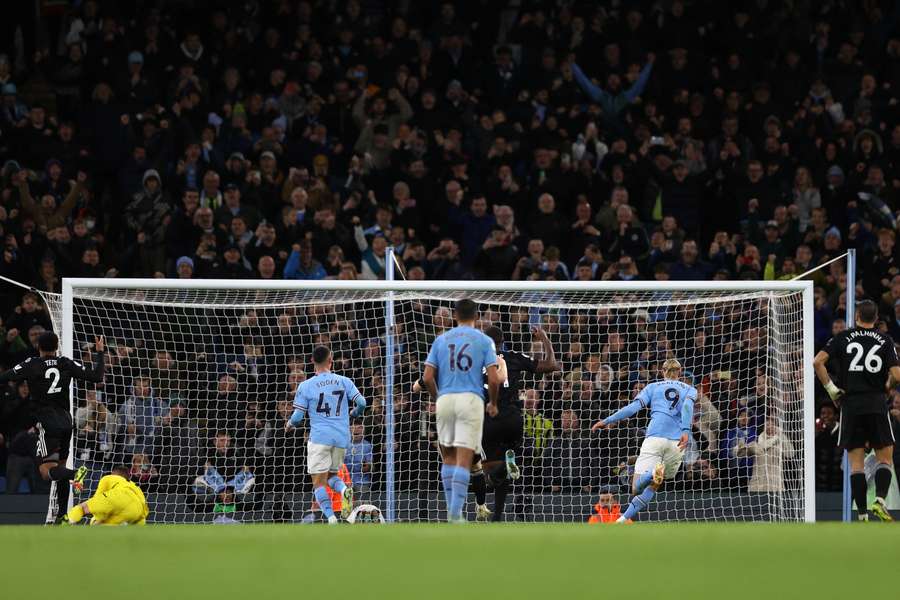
9	89
135	58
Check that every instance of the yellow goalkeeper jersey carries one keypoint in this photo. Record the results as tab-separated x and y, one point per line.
118	500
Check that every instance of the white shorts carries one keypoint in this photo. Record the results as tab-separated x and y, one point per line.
323	459
460	418
657	450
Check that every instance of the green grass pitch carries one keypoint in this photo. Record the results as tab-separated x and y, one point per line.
647	561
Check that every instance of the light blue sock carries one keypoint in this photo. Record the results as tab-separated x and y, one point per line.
447	472
337	484
643	481
639	502
324	501
459	493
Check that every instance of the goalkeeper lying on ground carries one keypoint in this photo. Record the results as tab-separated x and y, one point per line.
117	501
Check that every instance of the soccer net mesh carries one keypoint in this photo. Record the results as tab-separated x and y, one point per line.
199	385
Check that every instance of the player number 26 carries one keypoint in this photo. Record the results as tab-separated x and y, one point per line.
872	362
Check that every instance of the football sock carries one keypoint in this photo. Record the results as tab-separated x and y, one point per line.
479	486
460	489
447	479
860	491
882	481
643	481
324	502
62	497
61	473
639	503
501	489
337	484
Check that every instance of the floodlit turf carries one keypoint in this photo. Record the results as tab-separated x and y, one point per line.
726	561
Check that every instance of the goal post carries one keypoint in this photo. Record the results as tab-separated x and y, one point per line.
227	354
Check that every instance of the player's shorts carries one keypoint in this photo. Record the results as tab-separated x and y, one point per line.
54	432
118	506
501	433
657	450
868	430
460	418
322	458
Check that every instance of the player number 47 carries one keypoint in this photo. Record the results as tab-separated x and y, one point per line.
324	408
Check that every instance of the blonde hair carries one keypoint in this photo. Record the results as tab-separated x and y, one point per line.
671	365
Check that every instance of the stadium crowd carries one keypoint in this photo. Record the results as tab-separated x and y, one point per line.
525	140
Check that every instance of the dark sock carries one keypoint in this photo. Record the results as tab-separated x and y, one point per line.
860	491
501	489
882	481
62	497
479	487
62	474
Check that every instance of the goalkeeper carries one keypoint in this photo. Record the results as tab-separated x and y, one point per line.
117	501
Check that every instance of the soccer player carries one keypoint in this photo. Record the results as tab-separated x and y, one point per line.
453	375
866	363
671	404
502	434
117	501
327	397
49	377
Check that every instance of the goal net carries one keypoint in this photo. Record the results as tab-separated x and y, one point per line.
200	381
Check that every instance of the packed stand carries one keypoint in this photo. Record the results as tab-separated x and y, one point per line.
528	141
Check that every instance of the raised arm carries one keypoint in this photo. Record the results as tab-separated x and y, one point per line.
79	371
638	88
596	93
548	364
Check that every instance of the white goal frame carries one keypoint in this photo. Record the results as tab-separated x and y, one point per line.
70	285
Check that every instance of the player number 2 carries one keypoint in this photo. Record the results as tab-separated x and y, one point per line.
324	408
460	360
54	386
872	362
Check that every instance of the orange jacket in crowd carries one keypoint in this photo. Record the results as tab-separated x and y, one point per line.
344	474
605	515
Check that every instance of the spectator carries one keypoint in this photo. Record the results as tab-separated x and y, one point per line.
769	452
301	265
567	456
829	476
359	459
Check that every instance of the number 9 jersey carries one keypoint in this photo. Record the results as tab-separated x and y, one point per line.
460	357
665	399
862	359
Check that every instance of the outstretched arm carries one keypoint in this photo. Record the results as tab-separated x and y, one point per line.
17	373
625	412
79	371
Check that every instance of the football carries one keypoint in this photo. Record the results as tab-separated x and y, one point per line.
366	513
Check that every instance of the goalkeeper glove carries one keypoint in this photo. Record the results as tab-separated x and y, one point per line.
834	392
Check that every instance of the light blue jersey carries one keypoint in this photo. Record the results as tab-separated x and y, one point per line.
326	398
460	357
671	405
